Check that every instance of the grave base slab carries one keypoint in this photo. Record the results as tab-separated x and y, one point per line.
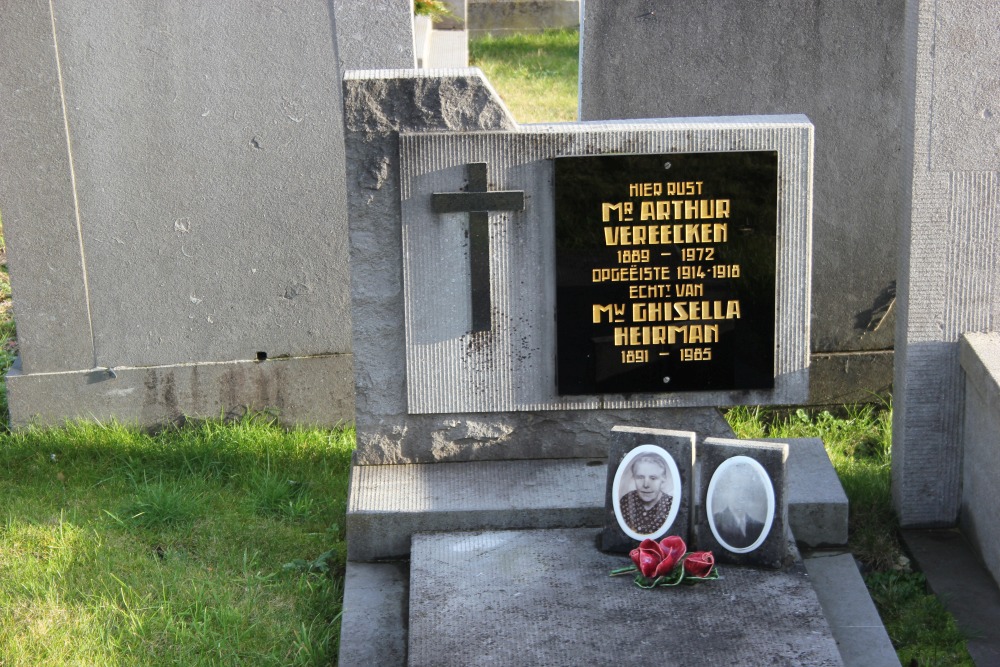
546	598
389	503
313	391
375	622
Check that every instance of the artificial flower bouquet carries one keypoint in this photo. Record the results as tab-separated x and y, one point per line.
667	563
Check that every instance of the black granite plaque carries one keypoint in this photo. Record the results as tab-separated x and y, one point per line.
666	272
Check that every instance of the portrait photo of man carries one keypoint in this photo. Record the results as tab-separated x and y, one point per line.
646	507
739	506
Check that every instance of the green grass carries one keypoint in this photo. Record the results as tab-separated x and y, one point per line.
123	548
224	543
535	74
859	443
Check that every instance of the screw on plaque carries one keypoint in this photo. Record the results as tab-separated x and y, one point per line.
666	380
666	165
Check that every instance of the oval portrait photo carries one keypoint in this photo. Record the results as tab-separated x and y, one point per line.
740	504
646	492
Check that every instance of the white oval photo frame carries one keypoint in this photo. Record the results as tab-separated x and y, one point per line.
675	477
763	478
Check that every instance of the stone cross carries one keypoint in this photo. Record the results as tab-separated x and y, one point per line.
477	201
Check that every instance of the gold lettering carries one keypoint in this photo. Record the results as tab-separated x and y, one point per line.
690	209
663	210
606	210
600	310
646	211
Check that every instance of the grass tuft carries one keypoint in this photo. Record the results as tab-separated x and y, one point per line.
918	624
536	74
858	441
120	547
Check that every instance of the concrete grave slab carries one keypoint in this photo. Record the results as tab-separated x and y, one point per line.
853	618
742	496
956	575
389	503
545	597
980	358
675	449
296	391
374	623
818	508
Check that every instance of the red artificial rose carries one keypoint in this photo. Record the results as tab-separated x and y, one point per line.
656	560
699	563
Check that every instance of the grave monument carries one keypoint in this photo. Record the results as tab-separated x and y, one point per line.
518	292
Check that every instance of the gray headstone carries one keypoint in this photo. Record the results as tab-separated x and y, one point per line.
624	525
837	62
474	395
743	502
173	194
948	272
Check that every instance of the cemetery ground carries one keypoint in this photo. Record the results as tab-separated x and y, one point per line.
223	543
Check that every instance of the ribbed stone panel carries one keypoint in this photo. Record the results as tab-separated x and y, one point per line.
949	245
512	366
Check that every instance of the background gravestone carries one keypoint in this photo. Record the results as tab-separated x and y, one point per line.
950	242
837	62
172	192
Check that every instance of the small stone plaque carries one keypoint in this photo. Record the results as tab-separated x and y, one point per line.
666	272
743	504
649	486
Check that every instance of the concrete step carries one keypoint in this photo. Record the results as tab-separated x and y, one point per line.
388	504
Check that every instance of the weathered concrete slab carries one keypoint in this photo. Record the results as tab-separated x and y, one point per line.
817	505
957	577
389	503
980	358
37	198
375	617
307	391
545	598
853	618
500	17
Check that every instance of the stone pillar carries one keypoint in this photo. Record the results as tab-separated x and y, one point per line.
949	270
